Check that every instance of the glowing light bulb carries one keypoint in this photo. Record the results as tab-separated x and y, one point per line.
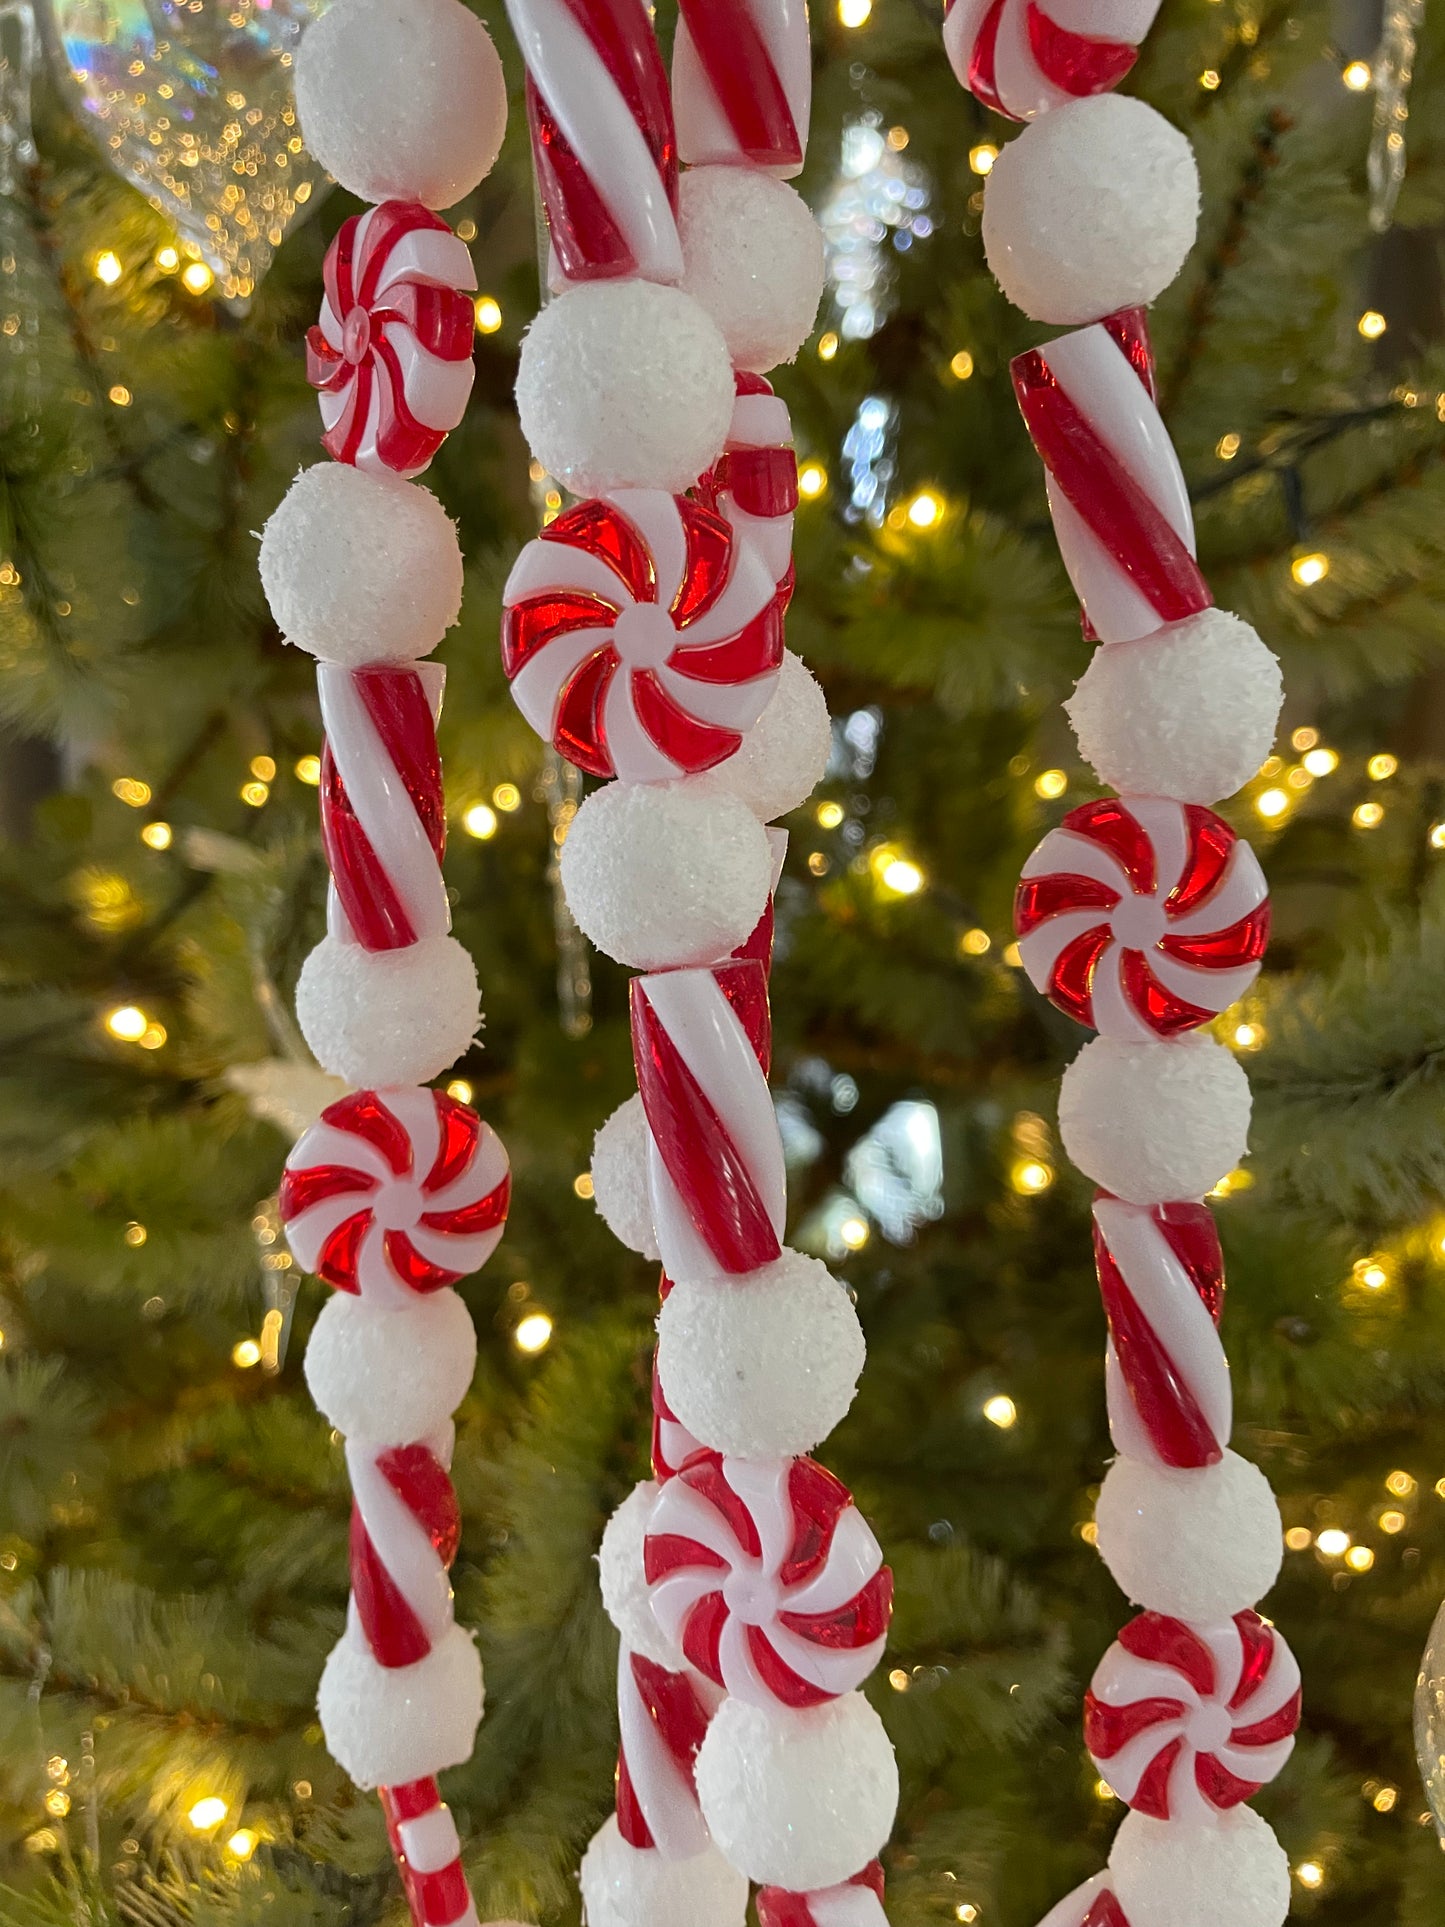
197	277
854	13
460	1089
1372	324
1332	1542
168	259
507	797
1357	76
1001	1411
1321	762
480	820
534	1334
1050	784
246	1353
127	1022
1367	816
207	1813
242	1843
827	346
1272	804
132	791
1382	766
812	480
1307	570
489	314
1031	1176
156	836
830	815
975	943
982	157
903	878
1309	1873
962	365
308	770
854	1233
108	268
255	795
1359	1558
583	1186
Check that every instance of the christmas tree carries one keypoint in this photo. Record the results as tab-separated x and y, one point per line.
173	1512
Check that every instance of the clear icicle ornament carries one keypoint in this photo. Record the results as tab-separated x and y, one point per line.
1393	69
1430	1720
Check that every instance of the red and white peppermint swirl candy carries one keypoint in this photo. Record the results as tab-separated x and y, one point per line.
753	484
395	1192
742	83
391	354
768	1578
405	1527
1022	57
663	1718
602	138
428	1854
640	636
1116	491
1095	1904
383	810
700	1040
1161	1278
855	1903
1186	1721
1142	917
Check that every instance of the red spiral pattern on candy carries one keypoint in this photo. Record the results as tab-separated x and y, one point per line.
404	1505
424	1843
855	1903
664	1719
1016	58
742	82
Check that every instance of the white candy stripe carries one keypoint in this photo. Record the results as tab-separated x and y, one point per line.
628	743
653	513
543	568
664	1790
379	797
401	1544
1097	376
760	421
430	1841
704	133
848	1906
538	684
1240	890
1167	1300
595	120
1067	853
1114	1012
731	705
424	254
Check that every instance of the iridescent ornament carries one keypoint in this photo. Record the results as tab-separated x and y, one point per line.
191	102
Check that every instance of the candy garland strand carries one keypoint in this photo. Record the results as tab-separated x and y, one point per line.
643	634
1144	916
398	1191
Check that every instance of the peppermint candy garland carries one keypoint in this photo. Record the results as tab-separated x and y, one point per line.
640	636
768	1579
1021	57
1185	1721
395	1192
1142	917
391	354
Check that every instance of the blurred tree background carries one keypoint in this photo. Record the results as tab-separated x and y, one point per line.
172	1510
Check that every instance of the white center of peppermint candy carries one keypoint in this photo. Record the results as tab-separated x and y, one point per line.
751	1597
1208	1728
644	636
356	336
1139	922
398	1205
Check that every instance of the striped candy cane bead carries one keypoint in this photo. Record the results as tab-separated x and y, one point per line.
742	83
405	1525
1161	1277
602	137
383	814
424	1842
715	1158
753	484
663	1717
1117	493
1021	58
856	1903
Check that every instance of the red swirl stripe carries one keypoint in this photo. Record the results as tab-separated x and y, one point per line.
743	78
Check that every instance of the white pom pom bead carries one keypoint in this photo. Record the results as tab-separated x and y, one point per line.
388	1016
402	99
361	568
625	384
619	1178
391	1376
784	754
625	1886
666	874
1155	1122
1229	1870
798	1799
763	1366
1093	207
385	1725
624	1585
753	257
1188	712
1199	1545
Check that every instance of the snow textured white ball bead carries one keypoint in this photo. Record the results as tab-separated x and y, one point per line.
388	1016
784	754
1189	712
625	384
1155	1122
390	1376
1093	207
1229	1870
1201	1544
662	875
626	1886
624	1583
753	257
763	1366
619	1178
361	568
402	99
798	1799
386	1725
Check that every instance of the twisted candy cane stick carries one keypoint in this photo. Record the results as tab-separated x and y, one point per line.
383	817
663	1717
424	1840
742	82
602	137
1161	1277
715	1158
1021	58
405	1525
856	1903
1120	507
